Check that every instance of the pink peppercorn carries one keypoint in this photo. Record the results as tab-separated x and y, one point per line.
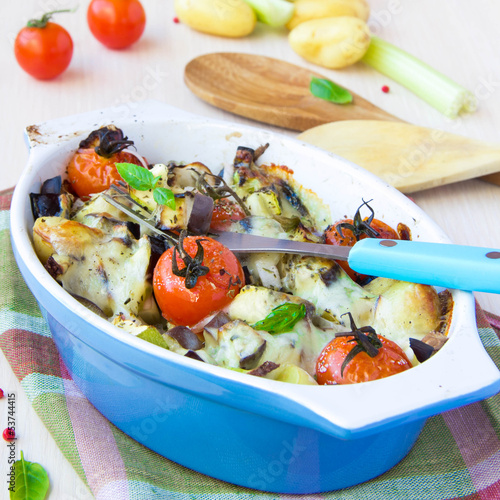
9	434
385	89
176	20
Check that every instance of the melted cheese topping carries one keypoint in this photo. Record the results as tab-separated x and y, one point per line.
110	270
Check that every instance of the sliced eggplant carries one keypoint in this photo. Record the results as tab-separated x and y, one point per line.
194	355
244	157
219	320
249	361
186	176
237	345
50	204
293	199
52	186
264	369
186	338
422	350
201	214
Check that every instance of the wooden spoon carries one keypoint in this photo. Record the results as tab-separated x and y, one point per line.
270	91
409	157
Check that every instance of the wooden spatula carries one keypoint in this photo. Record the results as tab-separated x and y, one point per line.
408	157
272	91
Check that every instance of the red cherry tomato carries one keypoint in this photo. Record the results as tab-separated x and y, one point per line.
389	360
92	168
213	291
225	212
117	24
90	173
43	49
347	232
334	237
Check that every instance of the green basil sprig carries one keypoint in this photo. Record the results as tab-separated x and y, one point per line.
329	91
282	318
31	481
142	179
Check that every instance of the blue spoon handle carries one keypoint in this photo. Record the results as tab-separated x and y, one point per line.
450	266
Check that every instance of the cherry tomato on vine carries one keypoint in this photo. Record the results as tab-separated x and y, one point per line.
334	237
117	24
42	48
389	360
347	232
225	212
218	277
92	168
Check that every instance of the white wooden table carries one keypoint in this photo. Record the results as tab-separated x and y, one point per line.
458	37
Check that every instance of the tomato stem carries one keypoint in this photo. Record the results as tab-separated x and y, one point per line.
220	190
366	340
359	226
42	22
194	267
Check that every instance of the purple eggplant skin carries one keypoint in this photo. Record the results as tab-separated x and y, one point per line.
201	214
244	157
47	205
52	186
193	355
212	327
50	201
250	361
186	338
422	350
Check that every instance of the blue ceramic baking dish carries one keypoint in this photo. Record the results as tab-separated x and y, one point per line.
249	431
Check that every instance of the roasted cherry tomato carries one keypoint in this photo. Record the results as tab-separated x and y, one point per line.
92	168
194	286
42	48
117	24
225	212
389	360
347	232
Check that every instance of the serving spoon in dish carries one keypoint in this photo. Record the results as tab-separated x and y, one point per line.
446	265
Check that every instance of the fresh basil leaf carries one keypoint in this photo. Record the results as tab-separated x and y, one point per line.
329	91
282	318
136	177
31	481
164	196
155	181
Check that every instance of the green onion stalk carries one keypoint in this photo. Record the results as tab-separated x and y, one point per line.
438	90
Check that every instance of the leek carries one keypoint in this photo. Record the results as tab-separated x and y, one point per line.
438	90
275	13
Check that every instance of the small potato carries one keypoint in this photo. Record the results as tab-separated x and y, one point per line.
231	18
332	42
305	10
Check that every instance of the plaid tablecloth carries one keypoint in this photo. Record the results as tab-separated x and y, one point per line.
457	455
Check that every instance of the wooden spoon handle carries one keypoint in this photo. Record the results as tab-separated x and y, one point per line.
271	91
